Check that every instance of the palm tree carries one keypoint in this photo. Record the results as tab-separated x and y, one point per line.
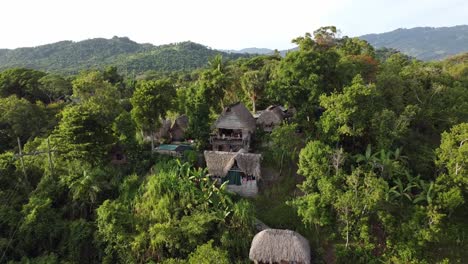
85	191
217	63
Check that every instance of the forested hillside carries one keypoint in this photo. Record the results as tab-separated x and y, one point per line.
424	43
370	168
69	57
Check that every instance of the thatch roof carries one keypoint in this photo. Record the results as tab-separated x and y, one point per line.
179	127
163	131
273	115
277	245
181	122
236	116
220	162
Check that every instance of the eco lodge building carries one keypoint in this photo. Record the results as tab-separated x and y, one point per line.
270	118
234	129
279	246
273	116
241	170
178	129
170	132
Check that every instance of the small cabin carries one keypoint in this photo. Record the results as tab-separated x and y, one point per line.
270	118
178	128
241	170
118	156
279	246
233	130
162	134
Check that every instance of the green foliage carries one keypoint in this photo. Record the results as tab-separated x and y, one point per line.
160	222
360	201
83	134
253	84
303	75
381	177
203	98
452	158
55	87
150	102
348	113
20	119
285	143
207	254
23	83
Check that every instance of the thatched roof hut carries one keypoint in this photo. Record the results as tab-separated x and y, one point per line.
163	132
270	118
179	127
279	246
236	116
219	162
118	155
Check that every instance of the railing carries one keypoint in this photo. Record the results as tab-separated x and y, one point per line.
216	136
228	140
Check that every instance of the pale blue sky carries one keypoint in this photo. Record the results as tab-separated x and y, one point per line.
216	23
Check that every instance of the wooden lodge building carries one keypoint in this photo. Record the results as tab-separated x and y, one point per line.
270	118
234	129
273	116
178	129
241	170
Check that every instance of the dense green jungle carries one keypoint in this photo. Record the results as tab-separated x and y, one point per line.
371	168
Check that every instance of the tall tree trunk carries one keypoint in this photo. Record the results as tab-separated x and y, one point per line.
281	163
152	141
347	229
254	108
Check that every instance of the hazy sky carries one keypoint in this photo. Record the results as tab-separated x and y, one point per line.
216	23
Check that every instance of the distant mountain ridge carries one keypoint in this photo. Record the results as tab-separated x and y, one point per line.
129	56
261	51
424	43
68	57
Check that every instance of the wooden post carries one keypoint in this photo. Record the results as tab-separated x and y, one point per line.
21	159
152	141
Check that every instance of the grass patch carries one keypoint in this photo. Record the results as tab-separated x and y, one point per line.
272	209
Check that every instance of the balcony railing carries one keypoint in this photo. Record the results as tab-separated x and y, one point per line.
227	140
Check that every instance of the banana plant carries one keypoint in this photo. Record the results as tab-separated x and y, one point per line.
367	158
427	194
400	191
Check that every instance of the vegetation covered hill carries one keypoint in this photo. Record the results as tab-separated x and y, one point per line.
424	43
71	57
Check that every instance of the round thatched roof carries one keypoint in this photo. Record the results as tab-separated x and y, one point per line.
181	122
163	131
277	245
271	116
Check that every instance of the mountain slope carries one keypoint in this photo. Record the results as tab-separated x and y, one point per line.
424	43
72	57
